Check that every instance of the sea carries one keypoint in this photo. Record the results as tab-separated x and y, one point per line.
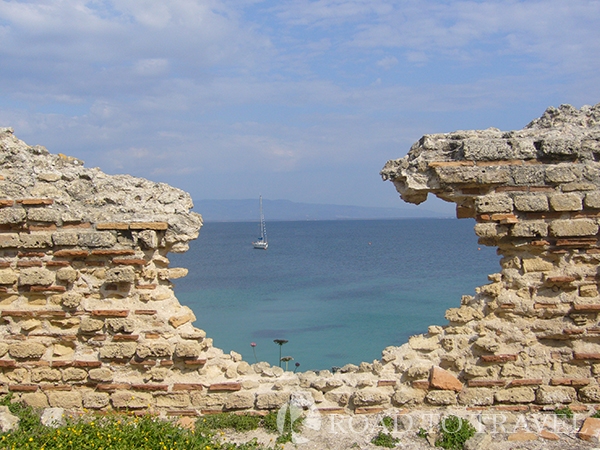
337	291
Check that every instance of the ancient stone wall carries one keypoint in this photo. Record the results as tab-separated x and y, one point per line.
89	319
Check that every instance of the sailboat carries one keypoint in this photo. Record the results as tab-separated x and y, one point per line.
261	243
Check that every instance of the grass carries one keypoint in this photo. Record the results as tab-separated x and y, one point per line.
565	412
454	432
116	432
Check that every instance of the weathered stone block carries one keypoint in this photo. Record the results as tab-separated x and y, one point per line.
101	374
8	276
35	399
65	399
95	400
476	397
12	215
592	200
43	215
531	202
490	230
89	325
67	275
590	430
494	203
423	343
36	276
590	394
579	227
120	275
131	400
97	239
74	374
530	228
64	238
408	396
566	202
563	173
35	240
515	395
157	350
186	315
549	395
120	325
119	350
71	300
441	398
464	314
177	400
271	400
26	350
45	374
369	397
240	400
188	350
535	264
9	240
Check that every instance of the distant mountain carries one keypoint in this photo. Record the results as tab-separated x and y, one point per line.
275	210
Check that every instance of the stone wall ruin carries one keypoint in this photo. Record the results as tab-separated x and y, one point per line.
88	318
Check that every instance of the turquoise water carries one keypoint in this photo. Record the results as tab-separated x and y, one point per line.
338	291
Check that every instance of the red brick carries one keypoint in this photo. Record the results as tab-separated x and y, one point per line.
473	190
56	387
144	363
145	286
71	253
17	313
110	313
166	363
381	383
570	381
76	225
184	412
586	356
225	387
371	410
194	362
539	243
50	314
187	387
498	358
47	289
331	410
112	226
578	242
540	188
560	279
35	201
151	335
512	189
573	331
421	384
514	408
145	312
125	337
464	213
49	227
526	382
545	306
23	387
61	364
114	252
442	379
150	387
129	261
586	307
504	218
87	364
486	383
451	163
113	386
4	264
158	226
6	203
29	264
7	363
507	162
58	263
590	430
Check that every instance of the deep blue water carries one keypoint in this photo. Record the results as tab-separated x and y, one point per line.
338	291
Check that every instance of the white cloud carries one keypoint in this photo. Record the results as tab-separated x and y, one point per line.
388	62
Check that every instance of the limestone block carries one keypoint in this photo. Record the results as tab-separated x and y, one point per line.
339	398
271	400
36	276
131	400
590	394
36	240
579	227
53	417
26	350
592	200
480	441
101	374
8	421
67	275
8	276
120	275
563	173
12	215
326	384
499	203
35	399
9	240
45	374
43	215
535	264
530	228
74	374
408	396
369	397
531	202
95	400
184	316
509	370
118	350
423	343
90	325
154	349
441	398
71	300
590	290
173	400
172	274
120	325
188	350
148	239
442	379
201	399
528	175
243	368
3	349
65	399
240	400
490	230
550	395
566	202
515	395
97	239
476	397
65	238
463	314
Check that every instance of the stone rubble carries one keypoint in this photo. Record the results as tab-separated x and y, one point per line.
89	319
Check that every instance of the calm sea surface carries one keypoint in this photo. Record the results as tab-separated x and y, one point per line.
338	291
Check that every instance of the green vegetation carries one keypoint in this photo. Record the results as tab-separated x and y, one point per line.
422	433
596	415
383	439
565	412
454	432
118	432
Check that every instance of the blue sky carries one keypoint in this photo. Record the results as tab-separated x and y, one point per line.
300	100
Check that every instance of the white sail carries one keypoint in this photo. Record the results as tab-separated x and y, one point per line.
261	243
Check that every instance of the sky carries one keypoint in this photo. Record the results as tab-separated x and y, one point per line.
303	100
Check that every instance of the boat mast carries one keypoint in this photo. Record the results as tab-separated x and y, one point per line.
263	229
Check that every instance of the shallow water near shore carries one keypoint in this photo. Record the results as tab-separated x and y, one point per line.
338	291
